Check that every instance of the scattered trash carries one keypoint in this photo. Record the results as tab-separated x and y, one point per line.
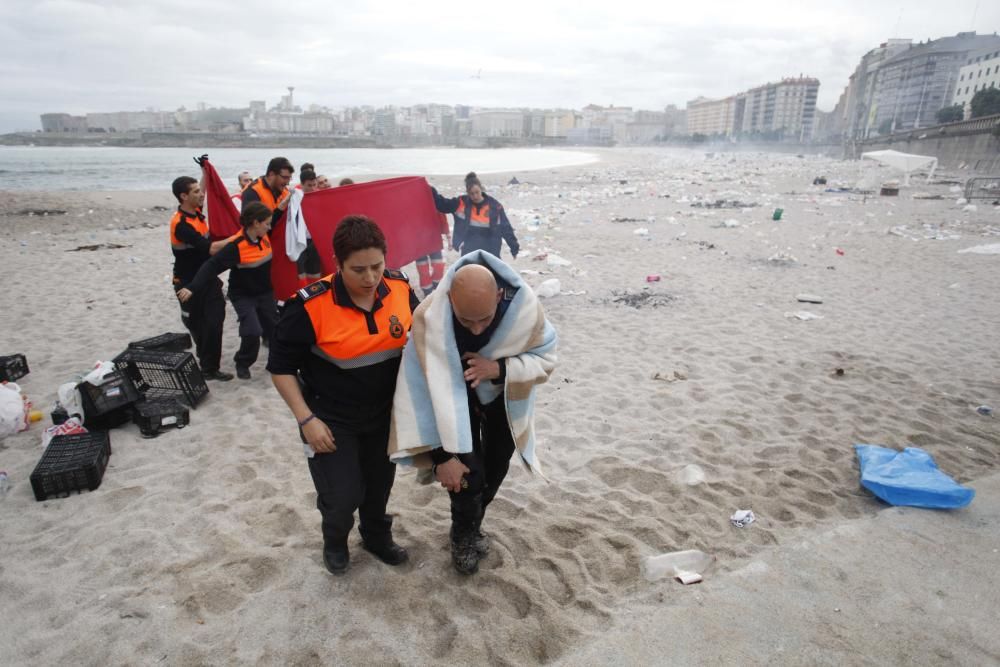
642	231
923	195
671	377
99	246
777	214
988	249
808	298
555	260
970	208
513	181
41	211
691	475
723	203
803	315
838	372
985	410
819	180
684	566
889	189
653	278
71	426
742	518
782	258
909	477
839	251
730	224
548	289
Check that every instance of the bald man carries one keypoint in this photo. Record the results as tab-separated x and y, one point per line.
479	304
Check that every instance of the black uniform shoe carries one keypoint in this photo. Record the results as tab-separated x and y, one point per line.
221	376
464	555
389	553
336	560
242	373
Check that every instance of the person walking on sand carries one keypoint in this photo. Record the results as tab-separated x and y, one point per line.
204	315
247	257
480	221
464	399
334	360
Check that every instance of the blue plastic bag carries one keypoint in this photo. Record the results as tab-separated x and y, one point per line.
909	477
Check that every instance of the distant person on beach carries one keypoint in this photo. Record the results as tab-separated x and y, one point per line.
271	189
204	315
480	221
346	181
247	257
465	394
308	263
334	361
323	183
244	179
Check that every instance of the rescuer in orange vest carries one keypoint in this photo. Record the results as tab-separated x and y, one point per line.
334	359
247	257
271	189
480	221
205	314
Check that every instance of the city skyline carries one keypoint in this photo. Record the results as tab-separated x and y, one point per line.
76	57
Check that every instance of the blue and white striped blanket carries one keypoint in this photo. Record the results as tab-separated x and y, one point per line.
431	407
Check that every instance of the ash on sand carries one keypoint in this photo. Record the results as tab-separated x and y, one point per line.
643	298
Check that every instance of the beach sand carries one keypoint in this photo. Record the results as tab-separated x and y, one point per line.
674	404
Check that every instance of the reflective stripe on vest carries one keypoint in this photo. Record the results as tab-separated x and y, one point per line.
265	194
342	335
251	254
480	218
197	221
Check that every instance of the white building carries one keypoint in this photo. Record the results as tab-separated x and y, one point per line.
982	71
497	124
711	117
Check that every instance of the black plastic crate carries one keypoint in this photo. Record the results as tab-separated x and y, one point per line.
153	416
13	367
164	374
71	463
109	404
168	342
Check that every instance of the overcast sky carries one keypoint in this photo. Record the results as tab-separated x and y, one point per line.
78	56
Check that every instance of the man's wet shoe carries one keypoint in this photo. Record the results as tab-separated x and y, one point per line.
336	560
221	376
242	373
464	555
389	553
481	542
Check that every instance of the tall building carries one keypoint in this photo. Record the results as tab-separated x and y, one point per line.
783	110
711	117
914	84
981	71
852	115
63	122
497	123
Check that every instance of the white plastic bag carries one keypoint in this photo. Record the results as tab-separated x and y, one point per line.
13	410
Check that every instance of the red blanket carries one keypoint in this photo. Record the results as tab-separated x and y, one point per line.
402	207
223	218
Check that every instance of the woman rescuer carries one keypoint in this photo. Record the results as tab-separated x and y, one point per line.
334	358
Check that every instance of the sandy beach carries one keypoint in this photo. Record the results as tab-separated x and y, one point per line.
674	403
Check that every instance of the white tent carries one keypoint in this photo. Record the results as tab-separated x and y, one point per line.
906	162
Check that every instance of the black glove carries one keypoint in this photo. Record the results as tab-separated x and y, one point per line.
200	161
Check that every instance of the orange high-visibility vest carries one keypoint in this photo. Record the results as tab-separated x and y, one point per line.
251	254
197	221
479	218
266	196
343	335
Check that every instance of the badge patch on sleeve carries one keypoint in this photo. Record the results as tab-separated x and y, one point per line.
395	327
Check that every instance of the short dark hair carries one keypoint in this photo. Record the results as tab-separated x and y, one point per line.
279	164
307	175
254	212
182	185
356	232
307	166
346	181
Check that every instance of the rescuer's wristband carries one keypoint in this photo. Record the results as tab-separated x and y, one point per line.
308	419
